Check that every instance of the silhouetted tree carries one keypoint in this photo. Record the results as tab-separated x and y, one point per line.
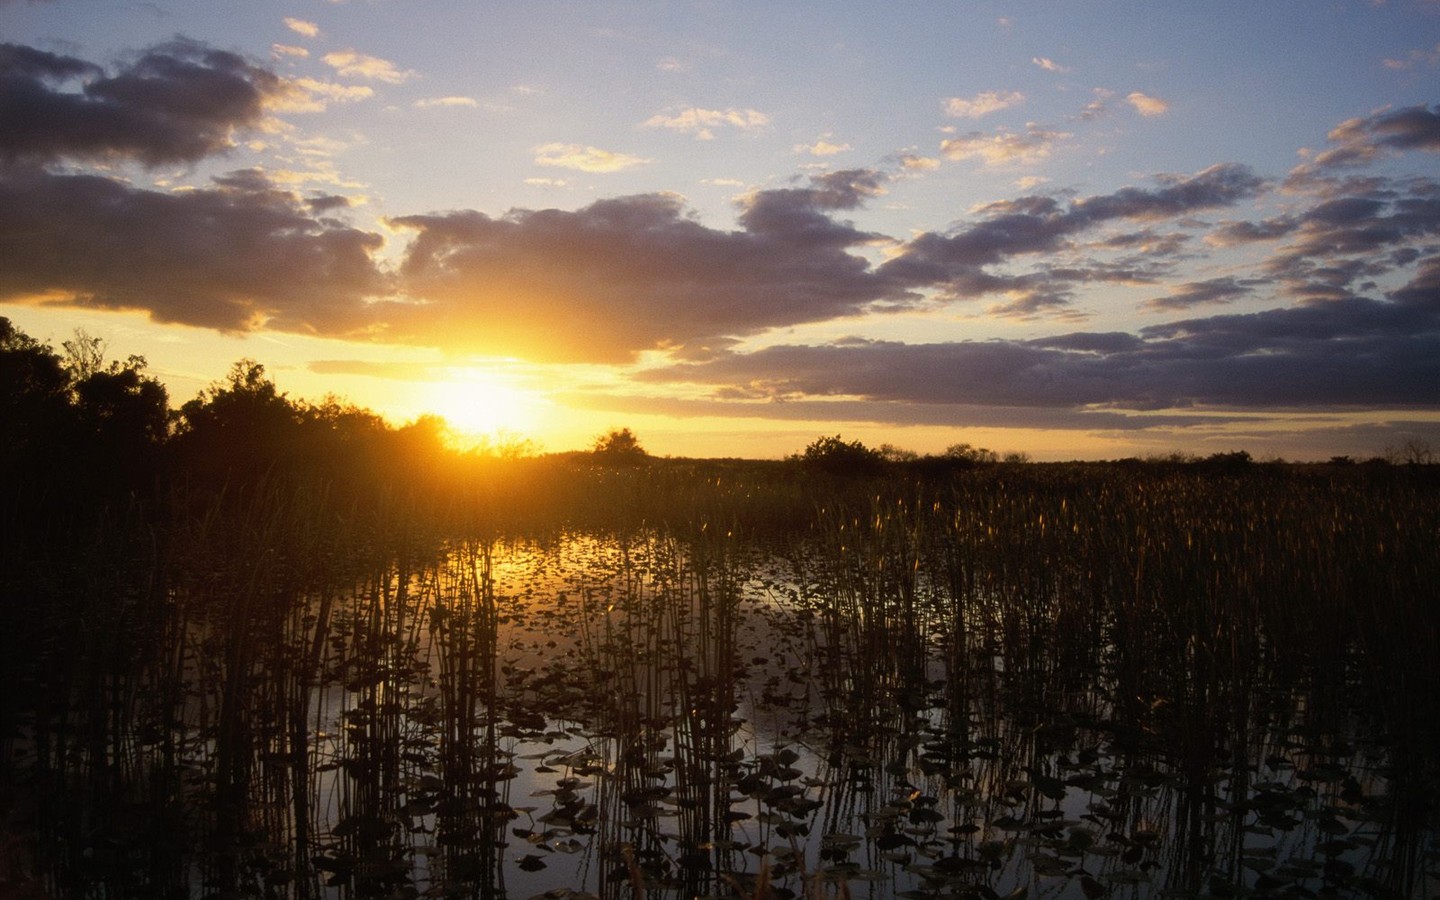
33	401
238	428
840	457
894	454
619	446
84	355
1225	463
1413	452
970	455
122	421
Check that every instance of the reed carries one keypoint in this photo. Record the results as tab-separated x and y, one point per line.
729	681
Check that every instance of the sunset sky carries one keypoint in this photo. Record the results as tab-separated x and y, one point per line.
1079	230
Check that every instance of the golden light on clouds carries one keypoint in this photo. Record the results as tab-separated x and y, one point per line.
301	26
771	234
982	104
1146	105
584	159
702	122
434	102
1004	147
358	65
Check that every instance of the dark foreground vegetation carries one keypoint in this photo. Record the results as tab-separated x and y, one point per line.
265	648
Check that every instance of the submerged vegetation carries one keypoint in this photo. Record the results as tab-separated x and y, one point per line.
273	649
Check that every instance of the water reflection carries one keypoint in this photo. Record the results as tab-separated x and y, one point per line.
866	712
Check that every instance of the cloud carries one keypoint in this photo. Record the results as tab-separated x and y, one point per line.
1036	224
822	147
1364	139
357	65
306	95
302	27
1430	58
626	275
440	102
1005	147
623	275
982	104
1049	65
1351	240
914	163
1231	234
178	102
1361	353
585	159
1147	106
702	122
236	256
1199	293
964	263
280	51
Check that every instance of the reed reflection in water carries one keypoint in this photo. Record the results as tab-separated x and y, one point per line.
1084	692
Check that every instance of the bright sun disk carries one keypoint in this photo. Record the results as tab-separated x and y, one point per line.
482	404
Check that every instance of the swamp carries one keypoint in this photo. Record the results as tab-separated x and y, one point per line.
266	649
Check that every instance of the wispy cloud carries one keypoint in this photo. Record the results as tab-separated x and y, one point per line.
1146	105
1429	58
440	102
302	27
915	163
288	50
822	147
585	159
702	123
308	95
1048	64
1005	147
1199	293
982	104
358	65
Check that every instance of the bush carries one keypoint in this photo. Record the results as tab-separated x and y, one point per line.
839	457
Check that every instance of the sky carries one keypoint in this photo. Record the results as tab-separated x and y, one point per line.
1086	230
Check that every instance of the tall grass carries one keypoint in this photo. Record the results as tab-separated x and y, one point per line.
719	680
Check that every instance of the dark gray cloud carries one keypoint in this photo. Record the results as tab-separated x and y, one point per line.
177	102
960	263
1200	293
1362	139
1231	234
1355	352
629	274
1349	241
238	256
633	273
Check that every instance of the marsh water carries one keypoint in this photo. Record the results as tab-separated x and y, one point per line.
984	697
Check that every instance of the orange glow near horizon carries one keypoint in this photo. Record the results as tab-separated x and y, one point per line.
478	404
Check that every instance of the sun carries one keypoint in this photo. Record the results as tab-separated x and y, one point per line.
477	403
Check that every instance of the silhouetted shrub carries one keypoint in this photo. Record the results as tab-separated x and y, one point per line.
836	456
